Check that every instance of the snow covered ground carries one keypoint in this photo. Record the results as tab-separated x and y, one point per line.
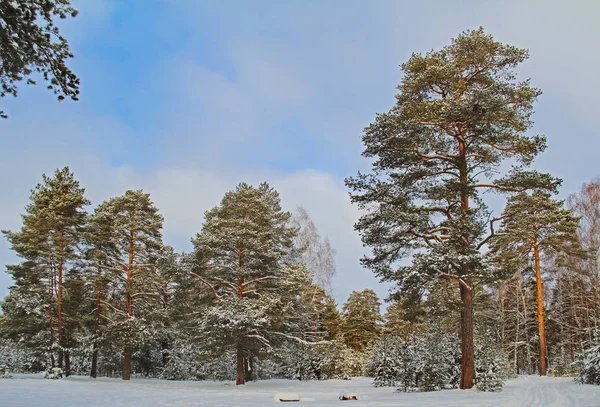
32	390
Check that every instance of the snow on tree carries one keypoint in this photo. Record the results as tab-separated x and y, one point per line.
533	225
31	43
459	115
491	364
427	360
133	240
361	325
316	253
48	242
590	371
385	363
241	251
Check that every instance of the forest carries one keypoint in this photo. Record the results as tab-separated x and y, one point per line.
493	274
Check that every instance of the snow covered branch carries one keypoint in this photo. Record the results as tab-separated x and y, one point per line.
206	283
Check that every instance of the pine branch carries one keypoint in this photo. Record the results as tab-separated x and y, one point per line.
217	296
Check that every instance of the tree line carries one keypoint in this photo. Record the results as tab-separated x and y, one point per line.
101	292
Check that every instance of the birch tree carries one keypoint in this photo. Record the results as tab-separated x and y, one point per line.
315	252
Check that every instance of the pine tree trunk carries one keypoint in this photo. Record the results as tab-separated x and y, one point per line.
467	368
129	306
540	312
59	295
52	360
67	364
240	364
127	363
94	369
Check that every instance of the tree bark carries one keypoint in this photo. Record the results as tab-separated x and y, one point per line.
127	363
67	363
240	379
540	312
94	369
50	315
129	306
467	367
59	294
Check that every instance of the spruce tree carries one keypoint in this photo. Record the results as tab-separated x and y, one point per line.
241	251
532	225
460	114
50	241
127	249
361	319
30	43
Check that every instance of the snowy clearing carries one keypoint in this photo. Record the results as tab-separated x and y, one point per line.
31	390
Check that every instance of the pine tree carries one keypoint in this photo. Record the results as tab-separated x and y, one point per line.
459	115
402	318
532	225
385	362
50	239
492	365
331	319
131	227
241	251
362	321
31	43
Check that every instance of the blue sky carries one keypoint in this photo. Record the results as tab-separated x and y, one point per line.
187	98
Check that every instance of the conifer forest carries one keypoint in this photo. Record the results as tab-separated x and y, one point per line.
493	266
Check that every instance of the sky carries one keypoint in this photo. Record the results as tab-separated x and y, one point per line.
187	98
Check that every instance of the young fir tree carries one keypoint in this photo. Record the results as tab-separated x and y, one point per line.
130	226
361	325
49	240
533	225
459	115
241	251
31	43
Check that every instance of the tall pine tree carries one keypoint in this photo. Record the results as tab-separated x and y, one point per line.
459	115
131	228
533	225
49	242
242	247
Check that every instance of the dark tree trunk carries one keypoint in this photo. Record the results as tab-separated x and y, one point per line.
240	364
94	370
127	363
467	368
165	352
67	364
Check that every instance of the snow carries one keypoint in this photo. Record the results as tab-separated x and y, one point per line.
530	391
